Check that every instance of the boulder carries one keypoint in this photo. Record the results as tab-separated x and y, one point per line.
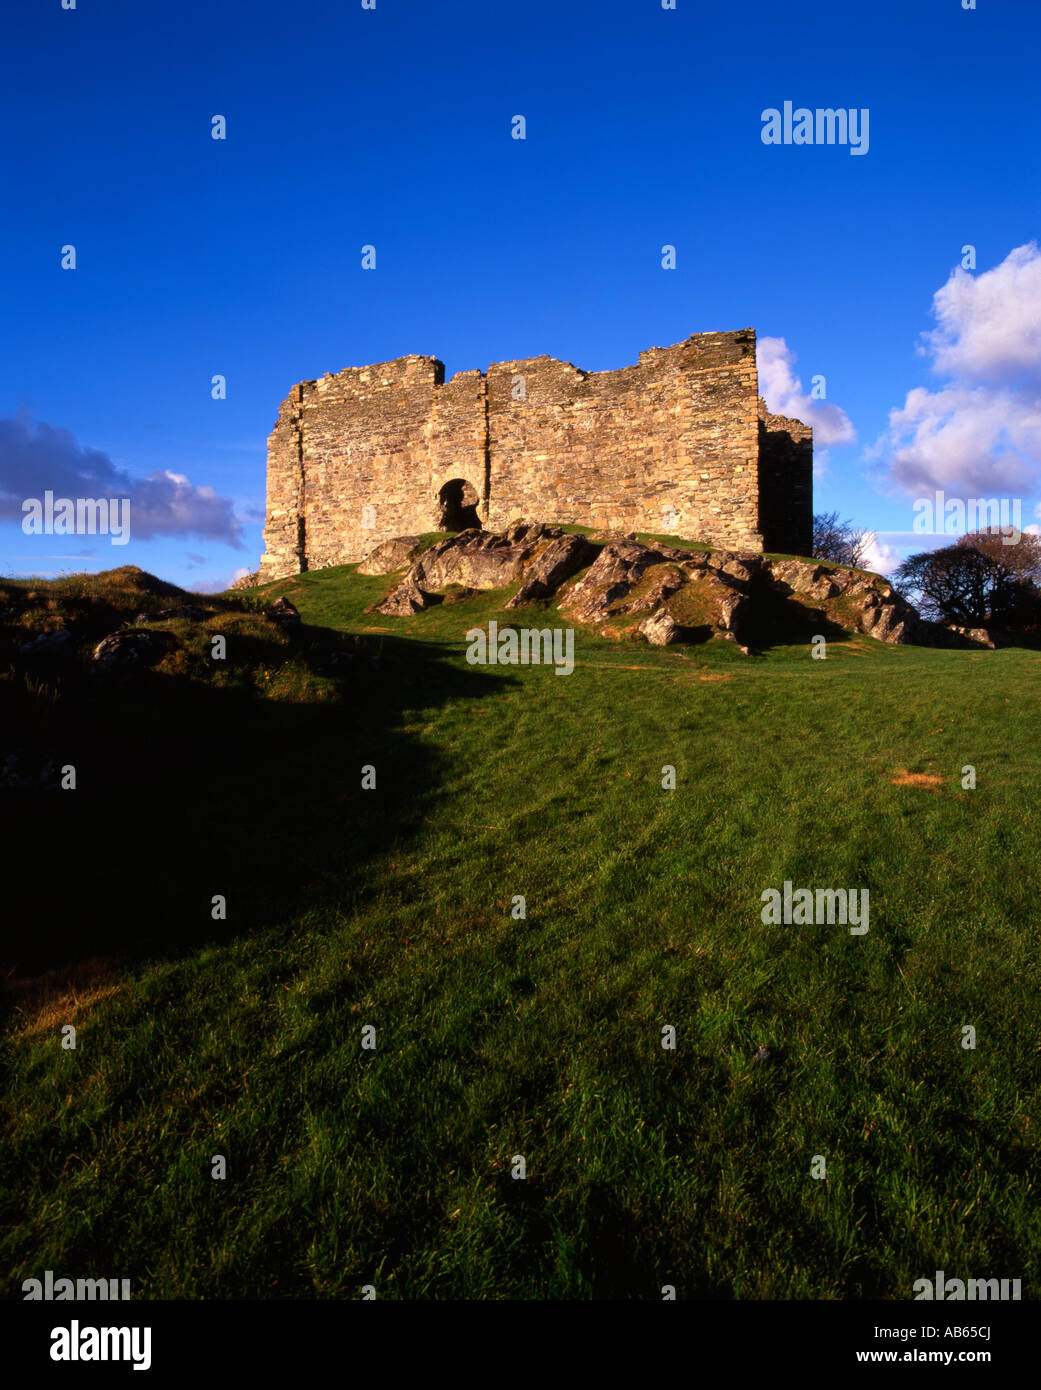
694	562
732	609
283	612
130	648
660	629
390	555
406	599
47	648
474	559
541	556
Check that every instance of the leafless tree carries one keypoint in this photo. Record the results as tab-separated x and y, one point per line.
840	542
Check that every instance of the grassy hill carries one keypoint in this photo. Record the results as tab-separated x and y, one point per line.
495	1036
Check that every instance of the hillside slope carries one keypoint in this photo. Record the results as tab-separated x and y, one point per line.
397	906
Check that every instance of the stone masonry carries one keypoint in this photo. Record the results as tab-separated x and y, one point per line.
680	442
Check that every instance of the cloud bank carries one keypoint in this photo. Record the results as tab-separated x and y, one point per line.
36	457
978	433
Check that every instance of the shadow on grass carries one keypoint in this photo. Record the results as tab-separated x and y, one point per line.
777	620
186	790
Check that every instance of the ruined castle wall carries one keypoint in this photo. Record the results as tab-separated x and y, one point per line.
458	445
620	449
785	483
361	456
363	435
284	490
673	443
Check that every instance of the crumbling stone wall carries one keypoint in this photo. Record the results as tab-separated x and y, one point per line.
785	483
674	443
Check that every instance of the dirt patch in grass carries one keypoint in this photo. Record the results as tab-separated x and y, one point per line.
929	780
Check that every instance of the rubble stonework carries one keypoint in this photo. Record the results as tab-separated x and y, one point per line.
680	442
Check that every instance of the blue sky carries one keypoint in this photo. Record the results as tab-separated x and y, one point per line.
391	127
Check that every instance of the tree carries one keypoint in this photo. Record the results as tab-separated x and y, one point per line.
968	587
1022	559
839	542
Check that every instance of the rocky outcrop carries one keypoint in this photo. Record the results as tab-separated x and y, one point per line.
664	593
687	594
975	636
853	599
801	577
610	580
557	561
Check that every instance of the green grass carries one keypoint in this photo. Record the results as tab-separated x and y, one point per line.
497	1037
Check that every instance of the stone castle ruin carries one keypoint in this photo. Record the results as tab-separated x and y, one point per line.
681	442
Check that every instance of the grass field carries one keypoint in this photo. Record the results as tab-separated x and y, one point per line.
540	1037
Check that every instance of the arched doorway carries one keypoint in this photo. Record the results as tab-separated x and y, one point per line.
457	506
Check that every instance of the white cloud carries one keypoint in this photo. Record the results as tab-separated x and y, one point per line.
990	325
782	391
880	558
979	432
